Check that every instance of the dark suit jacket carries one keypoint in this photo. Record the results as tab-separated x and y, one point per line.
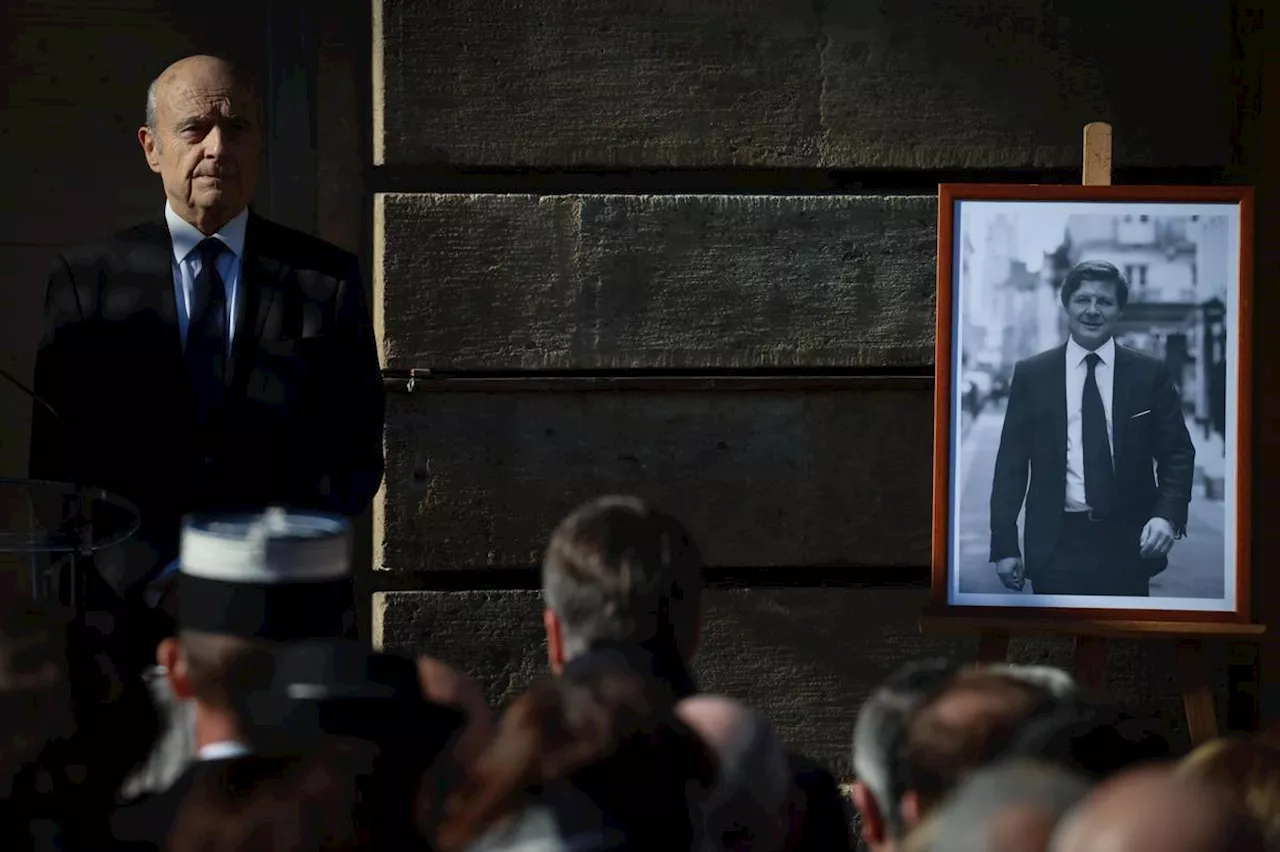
1147	426
145	822
302	423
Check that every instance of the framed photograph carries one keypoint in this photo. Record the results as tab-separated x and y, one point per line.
1092	402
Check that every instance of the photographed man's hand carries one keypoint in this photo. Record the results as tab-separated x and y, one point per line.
1156	539
1009	570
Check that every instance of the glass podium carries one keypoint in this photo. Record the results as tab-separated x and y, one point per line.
58	527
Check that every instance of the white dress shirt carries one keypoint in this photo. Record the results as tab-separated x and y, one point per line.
222	750
1077	373
187	263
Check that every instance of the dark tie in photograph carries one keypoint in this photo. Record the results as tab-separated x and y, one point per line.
207	330
1099	474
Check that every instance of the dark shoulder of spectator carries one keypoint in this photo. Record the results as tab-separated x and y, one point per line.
821	817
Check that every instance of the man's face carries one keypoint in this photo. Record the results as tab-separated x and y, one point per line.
1092	312
206	144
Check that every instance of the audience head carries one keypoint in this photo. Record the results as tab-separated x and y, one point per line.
968	723
877	736
1153	810
618	570
748	808
246	583
1249	771
1007	807
599	732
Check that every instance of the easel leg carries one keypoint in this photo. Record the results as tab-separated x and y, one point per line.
1091	662
1197	698
993	648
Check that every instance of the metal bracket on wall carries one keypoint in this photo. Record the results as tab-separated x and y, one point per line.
432	381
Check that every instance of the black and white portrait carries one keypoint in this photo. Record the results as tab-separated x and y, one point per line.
1094	379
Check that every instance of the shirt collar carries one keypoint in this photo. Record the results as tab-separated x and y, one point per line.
222	750
186	236
1076	353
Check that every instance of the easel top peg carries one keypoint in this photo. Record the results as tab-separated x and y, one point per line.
1097	154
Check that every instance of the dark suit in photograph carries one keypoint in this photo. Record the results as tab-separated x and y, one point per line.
1071	547
287	411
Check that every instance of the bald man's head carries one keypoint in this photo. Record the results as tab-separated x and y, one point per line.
1152	810
203	137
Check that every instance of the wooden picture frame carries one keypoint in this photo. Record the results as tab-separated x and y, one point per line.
1175	316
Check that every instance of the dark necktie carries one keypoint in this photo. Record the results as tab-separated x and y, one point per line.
207	329
1099	474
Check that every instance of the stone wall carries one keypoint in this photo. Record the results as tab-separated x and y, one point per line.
608	189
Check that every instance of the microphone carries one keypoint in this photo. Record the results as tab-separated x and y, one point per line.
35	397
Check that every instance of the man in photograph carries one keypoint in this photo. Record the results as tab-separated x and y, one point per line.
1099	431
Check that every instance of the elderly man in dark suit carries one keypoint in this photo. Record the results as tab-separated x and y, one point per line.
208	360
1099	431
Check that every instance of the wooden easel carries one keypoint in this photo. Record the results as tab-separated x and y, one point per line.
1091	637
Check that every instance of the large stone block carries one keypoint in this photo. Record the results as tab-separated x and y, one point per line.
763	478
807	658
775	83
613	281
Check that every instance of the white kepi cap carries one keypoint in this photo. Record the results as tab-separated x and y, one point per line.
278	574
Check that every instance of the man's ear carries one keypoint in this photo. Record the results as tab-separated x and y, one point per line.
555	640
875	831
169	655
150	147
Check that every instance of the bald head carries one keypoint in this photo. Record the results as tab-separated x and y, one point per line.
202	136
1152	810
748	808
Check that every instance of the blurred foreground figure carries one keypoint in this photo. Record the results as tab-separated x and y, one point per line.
593	760
341	742
1152	810
882	737
1248	771
73	723
747	811
619	574
247	583
1011	807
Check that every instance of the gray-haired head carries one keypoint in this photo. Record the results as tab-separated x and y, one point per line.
881	726
1052	680
617	569
882	723
748	809
1009	807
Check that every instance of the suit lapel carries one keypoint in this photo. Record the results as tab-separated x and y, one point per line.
150	277
1057	387
1121	383
260	302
